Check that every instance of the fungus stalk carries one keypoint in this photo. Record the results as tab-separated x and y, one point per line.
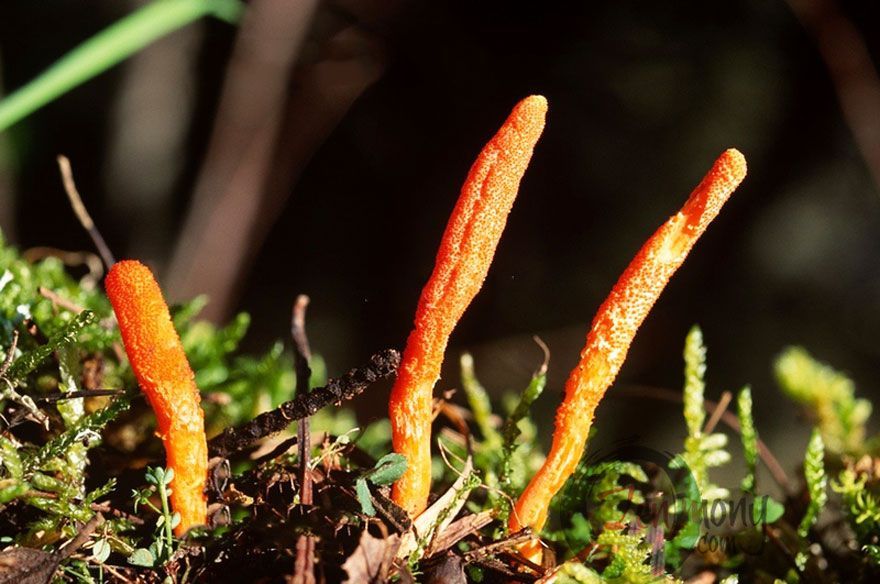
612	331
166	378
463	260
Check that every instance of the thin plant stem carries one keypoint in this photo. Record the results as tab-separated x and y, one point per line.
166	512
109	47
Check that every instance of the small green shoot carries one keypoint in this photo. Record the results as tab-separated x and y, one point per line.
387	469
162	547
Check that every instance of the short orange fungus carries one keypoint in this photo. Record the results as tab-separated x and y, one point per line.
613	330
166	378
462	263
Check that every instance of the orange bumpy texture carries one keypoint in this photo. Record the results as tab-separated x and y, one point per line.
613	330
463	260
166	378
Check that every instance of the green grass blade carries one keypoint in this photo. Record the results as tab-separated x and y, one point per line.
109	47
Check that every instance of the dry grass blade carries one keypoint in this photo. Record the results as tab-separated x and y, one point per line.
447	507
458	530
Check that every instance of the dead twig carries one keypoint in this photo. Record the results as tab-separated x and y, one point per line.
60	300
382	365
304	564
81	212
718	412
302	356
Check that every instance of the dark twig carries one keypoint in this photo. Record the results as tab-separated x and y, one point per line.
81	538
509	543
118	513
718	412
81	213
304	564
773	535
303	355
382	365
727	417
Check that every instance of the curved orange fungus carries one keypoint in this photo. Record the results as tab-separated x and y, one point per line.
164	374
613	330
463	260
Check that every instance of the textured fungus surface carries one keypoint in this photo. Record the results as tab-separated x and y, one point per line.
166	378
613	330
463	260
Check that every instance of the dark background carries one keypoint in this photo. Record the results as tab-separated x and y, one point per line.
643	96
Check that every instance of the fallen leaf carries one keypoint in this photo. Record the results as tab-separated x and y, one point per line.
371	560
449	570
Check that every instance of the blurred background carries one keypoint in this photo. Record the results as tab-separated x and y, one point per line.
318	147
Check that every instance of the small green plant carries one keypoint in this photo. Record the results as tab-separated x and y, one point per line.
829	396
862	510
749	439
702	450
163	544
387	469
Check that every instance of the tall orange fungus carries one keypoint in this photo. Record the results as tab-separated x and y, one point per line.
612	331
166	378
462	263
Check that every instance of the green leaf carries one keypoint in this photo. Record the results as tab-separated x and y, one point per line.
387	469
101	551
766	511
13	491
872	552
862	506
142	557
701	451
364	497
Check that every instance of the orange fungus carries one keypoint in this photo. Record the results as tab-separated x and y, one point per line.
164	375
462	263
612	331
